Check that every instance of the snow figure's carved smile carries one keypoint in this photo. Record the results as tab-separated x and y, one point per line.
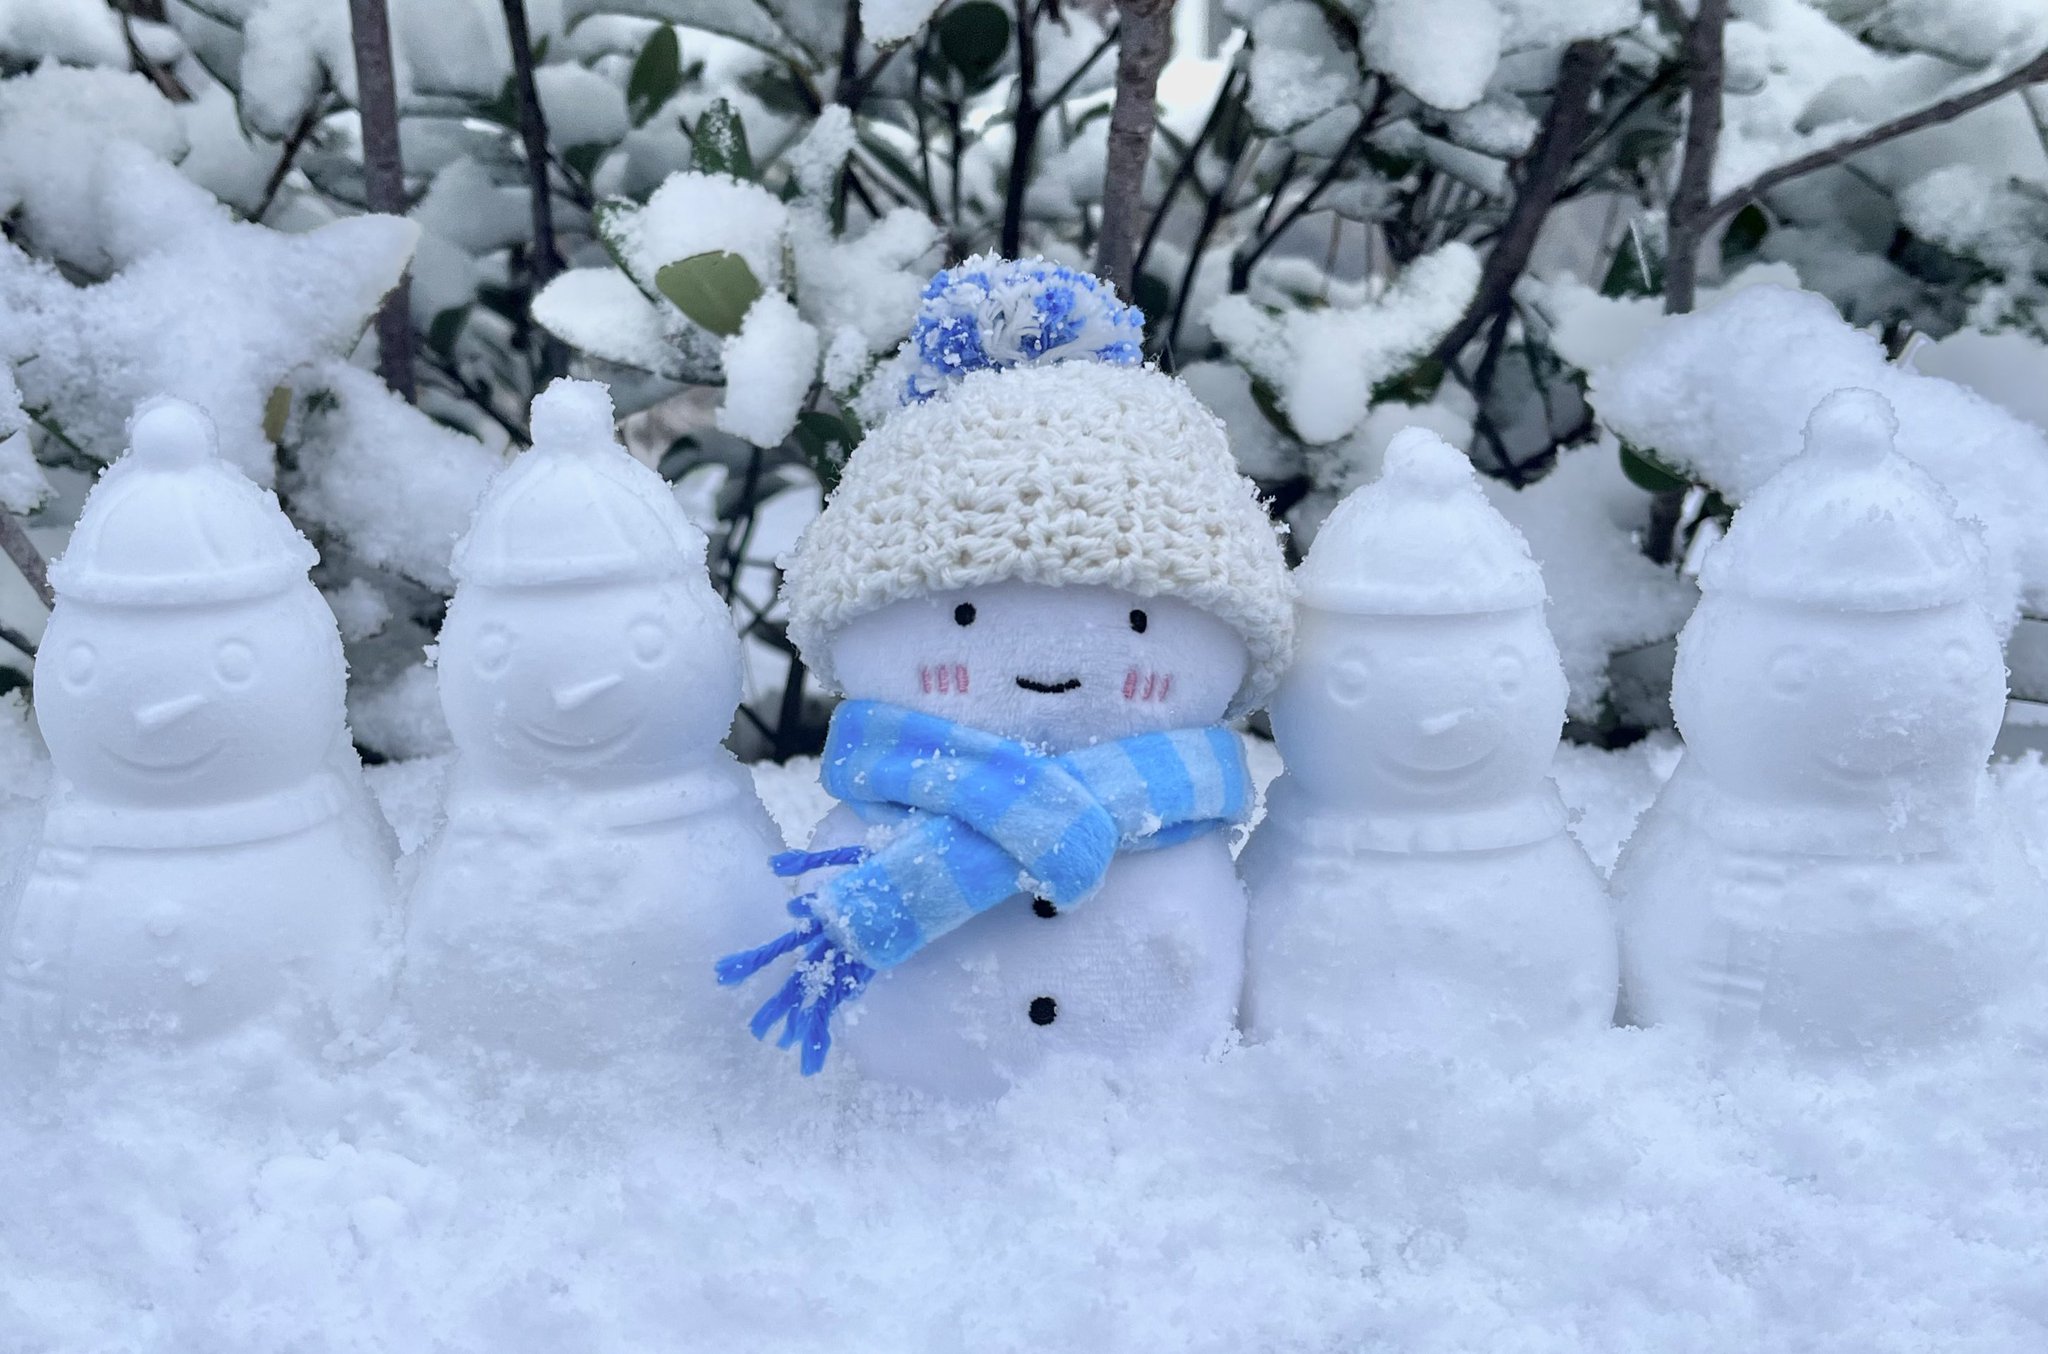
172	767
562	741
1050	688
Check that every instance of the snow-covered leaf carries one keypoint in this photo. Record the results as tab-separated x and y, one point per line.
714	289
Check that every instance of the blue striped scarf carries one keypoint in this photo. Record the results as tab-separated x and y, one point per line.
983	819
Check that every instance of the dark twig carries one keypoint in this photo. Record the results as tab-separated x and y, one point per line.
1248	255
1543	172
287	155
1024	121
2033	72
1703	57
1147	40
383	178
544	259
1185	169
15	544
20	641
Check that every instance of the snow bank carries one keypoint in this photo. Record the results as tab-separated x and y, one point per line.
202	306
1323	362
381	475
1615	1194
1724	394
1582	521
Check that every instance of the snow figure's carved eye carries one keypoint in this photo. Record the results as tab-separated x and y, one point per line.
1790	671
963	614
649	638
493	650
1139	620
1350	679
234	662
1509	668
80	662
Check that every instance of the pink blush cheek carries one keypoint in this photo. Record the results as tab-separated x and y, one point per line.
943	679
1146	685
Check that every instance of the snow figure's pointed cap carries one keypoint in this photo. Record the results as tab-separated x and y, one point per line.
172	523
1032	445
577	507
1421	540
1850	524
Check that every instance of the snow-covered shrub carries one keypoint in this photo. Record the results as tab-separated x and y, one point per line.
1356	215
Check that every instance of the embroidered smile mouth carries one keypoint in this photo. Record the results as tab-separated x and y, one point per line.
1050	688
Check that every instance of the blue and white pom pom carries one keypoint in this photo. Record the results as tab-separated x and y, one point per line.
991	313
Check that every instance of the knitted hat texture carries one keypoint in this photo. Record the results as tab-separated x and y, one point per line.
1081	472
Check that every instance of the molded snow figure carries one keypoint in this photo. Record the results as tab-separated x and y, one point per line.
601	847
1413	876
1825	865
209	861
1042	585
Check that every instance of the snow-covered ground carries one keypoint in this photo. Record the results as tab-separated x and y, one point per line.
1616	1194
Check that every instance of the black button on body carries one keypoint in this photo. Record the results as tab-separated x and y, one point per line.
1044	1010
1045	907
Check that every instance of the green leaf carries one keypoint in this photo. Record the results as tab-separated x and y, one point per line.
608	219
445	328
1416	385
826	440
1637	269
657	75
1744	234
1268	401
1645	471
714	289
504	109
584	159
718	143
1154	299
973	37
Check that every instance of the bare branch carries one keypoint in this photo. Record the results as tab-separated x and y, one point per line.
1024	121
2033	72
1543	172
1704	59
1145	41
15	544
383	178
544	259
287	155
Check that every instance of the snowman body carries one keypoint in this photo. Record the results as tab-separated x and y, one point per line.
182	927
1151	963
209	861
1362	933
1414	877
585	925
1826	867
601	849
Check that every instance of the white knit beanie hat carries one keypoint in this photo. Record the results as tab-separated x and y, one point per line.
1035	448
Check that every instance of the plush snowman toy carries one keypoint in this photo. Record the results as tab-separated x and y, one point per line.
1043	586
1413	877
1826	867
601	847
209	860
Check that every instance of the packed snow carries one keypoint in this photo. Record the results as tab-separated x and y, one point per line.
1617	1191
1724	394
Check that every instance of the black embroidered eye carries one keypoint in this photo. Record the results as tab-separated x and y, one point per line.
963	614
1139	621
